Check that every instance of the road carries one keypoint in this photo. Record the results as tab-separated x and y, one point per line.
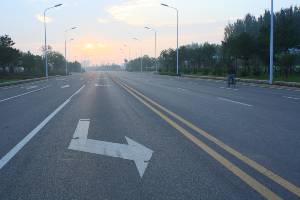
120	135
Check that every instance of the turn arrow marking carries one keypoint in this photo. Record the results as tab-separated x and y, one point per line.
134	151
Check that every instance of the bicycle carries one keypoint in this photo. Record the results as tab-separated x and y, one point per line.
231	80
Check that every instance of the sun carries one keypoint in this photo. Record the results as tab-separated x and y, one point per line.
89	46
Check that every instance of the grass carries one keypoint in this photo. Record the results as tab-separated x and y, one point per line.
9	78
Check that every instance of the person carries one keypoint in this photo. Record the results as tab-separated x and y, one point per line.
231	75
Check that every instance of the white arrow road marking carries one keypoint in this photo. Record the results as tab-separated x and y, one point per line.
102	85
64	86
134	151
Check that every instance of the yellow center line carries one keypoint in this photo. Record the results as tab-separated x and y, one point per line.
258	167
253	183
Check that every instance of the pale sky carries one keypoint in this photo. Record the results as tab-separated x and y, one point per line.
105	26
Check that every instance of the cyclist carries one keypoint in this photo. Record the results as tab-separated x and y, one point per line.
231	75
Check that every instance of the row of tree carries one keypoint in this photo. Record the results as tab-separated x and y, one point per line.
144	63
245	47
15	62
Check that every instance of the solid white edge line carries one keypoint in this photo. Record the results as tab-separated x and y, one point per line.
5	159
237	102
23	94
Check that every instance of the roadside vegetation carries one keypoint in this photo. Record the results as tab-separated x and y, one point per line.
245	46
16	65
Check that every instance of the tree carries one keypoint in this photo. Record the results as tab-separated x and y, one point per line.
286	61
74	66
6	41
56	62
33	64
8	55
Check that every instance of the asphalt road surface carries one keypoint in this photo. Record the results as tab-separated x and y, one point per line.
119	135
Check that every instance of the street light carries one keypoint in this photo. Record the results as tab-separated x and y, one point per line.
136	39
271	45
46	48
155	44
177	51
66	38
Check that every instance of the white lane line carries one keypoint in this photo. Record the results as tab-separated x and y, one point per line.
294	98
237	102
31	87
21	85
102	85
64	86
23	94
182	89
227	88
5	159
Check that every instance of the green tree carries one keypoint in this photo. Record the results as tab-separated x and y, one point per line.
8	55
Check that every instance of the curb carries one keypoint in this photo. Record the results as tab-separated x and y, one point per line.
25	81
279	83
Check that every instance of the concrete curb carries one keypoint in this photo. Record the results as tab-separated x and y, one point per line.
279	83
25	81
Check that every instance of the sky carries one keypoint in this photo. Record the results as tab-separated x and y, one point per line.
106	27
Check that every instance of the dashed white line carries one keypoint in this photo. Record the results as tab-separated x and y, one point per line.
64	86
232	101
294	98
5	159
31	87
227	88
182	89
26	93
102	85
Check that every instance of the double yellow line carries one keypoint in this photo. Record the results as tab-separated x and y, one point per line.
260	188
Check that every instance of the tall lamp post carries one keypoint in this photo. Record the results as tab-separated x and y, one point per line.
155	44
46	47
271	45
66	55
177	50
66	38
141	54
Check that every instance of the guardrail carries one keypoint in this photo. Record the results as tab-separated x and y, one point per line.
279	83
25	81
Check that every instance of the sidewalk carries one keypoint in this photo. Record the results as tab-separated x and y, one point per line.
279	83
